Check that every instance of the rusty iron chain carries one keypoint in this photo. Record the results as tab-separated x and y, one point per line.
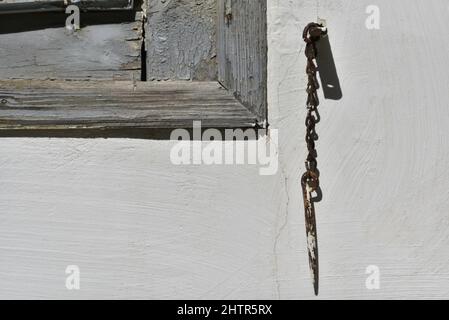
310	180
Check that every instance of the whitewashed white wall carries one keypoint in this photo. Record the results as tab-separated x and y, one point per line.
139	227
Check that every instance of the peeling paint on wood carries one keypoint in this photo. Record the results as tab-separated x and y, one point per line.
181	40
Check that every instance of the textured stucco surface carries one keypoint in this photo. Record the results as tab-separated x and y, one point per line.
139	227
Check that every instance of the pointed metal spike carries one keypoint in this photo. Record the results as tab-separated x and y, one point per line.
311	231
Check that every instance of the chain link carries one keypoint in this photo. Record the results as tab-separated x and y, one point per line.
310	180
311	35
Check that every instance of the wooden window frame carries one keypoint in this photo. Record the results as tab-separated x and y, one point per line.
26	6
237	100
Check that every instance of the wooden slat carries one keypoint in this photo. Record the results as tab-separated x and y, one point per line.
111	51
242	51
61	105
19	6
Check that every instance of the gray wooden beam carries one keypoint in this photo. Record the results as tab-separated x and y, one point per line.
65	105
242	51
22	6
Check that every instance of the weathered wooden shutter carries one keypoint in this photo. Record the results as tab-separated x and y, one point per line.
213	52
